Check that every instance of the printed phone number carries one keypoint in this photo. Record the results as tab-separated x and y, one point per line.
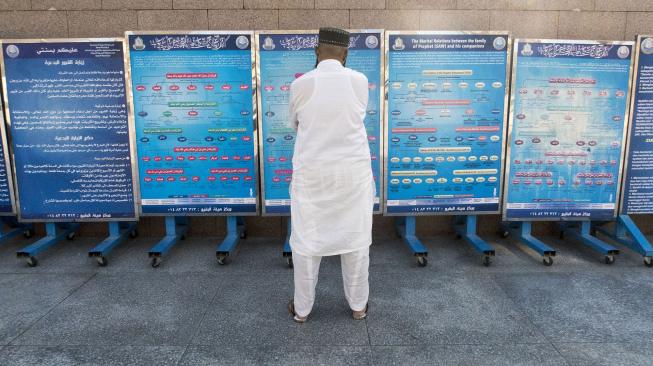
199	209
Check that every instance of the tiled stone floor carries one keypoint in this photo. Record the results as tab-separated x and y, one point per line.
192	311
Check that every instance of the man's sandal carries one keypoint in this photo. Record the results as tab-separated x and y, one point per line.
360	315
296	318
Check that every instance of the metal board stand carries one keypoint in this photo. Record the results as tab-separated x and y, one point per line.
523	230
235	232
55	232
405	228
628	234
287	251
118	231
465	227
583	233
15	228
176	228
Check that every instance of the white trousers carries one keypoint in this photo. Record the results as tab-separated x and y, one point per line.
355	267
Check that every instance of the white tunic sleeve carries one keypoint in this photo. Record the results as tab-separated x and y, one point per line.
292	111
360	85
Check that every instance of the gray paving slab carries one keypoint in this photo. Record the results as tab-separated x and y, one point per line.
90	355
136	288
608	354
501	354
128	309
254	313
412	309
583	306
327	326
270	293
24	298
635	279
169	324
277	355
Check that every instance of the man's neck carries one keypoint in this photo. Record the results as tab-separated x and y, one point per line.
329	63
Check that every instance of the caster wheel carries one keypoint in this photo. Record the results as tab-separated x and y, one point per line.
289	262
223	260
27	233
133	233
422	261
243	234
182	237
71	235
504	233
648	261
609	259
32	262
562	234
102	261
547	261
487	260
156	261
458	237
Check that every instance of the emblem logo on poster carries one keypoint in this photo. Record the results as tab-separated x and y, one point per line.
647	46
242	42
623	52
399	44
268	44
371	41
499	43
527	50
13	51
138	44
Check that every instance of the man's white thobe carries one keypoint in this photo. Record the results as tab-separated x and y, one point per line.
332	190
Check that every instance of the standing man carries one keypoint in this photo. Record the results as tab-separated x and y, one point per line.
332	190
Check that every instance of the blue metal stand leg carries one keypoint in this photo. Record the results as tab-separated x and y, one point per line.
584	236
118	231
14	228
405	227
627	233
235	232
524	231
55	232
287	251
466	228
176	228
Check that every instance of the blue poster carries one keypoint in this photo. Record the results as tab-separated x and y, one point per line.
567	121
638	180
6	186
283	57
69	129
193	98
445	121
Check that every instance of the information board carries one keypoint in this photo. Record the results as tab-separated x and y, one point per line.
193	96
445	121
68	115
568	124
283	56
637	195
7	199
